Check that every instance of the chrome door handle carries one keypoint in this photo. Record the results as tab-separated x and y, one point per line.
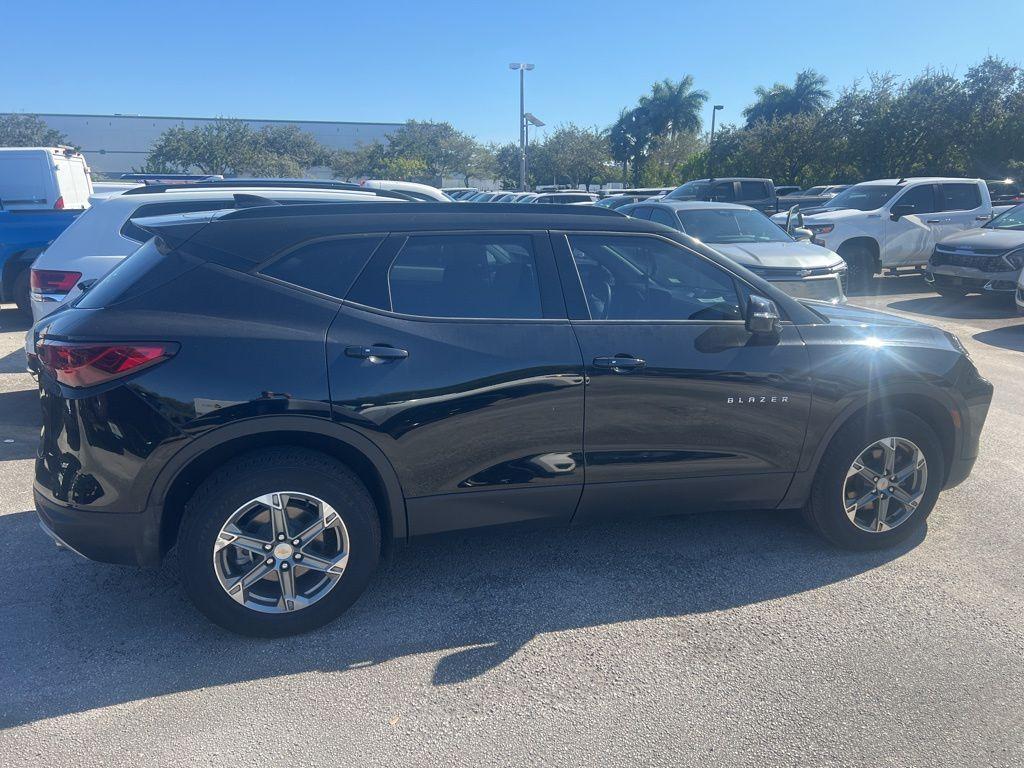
982	218
623	364
378	353
933	221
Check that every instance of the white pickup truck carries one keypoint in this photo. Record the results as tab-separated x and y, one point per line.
894	223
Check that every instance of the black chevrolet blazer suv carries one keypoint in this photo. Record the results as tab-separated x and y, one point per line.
284	391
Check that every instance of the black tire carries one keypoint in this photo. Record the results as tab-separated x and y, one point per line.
825	510
860	263
23	292
263	472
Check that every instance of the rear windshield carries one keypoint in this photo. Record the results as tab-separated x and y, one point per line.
144	269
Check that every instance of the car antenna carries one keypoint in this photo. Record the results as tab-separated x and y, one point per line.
902	180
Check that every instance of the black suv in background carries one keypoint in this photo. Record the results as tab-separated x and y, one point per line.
283	390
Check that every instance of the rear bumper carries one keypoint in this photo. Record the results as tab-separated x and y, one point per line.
100	536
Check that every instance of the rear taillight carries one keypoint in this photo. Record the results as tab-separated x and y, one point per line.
53	280
87	363
59	205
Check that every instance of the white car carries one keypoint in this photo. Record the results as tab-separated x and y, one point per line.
43	178
101	237
895	223
423	192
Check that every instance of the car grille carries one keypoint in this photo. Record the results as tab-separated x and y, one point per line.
821	289
984	259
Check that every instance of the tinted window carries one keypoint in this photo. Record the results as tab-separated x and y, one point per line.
753	190
723	192
640	212
921	198
646	278
960	197
661	216
327	266
134	232
466	276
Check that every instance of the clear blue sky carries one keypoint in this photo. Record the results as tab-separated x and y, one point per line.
388	61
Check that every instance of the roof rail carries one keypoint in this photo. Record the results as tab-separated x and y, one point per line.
452	208
270	184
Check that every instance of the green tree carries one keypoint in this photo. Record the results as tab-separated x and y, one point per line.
28	131
674	107
233	148
808	94
571	155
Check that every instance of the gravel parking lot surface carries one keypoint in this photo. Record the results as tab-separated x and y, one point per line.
729	639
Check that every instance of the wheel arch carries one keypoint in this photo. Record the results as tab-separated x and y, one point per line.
14	265
193	464
863	241
933	407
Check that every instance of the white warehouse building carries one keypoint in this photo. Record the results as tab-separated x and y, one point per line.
114	144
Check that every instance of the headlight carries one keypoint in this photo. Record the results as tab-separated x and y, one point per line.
839	266
820	229
1015	258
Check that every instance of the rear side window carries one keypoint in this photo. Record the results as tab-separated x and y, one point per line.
722	193
641	212
326	266
471	276
134	232
661	216
960	197
753	190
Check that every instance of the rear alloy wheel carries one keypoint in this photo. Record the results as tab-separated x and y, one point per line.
877	482
278	542
281	552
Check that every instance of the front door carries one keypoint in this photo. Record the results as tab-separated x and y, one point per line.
911	238
685	410
454	355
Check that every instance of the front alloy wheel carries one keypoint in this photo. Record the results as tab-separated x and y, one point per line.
885	484
877	481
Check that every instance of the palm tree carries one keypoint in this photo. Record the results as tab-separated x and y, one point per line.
807	95
674	107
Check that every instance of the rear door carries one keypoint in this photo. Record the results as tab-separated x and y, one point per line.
756	194
685	410
454	355
962	208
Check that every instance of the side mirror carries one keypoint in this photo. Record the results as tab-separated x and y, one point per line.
802	233
899	210
794	219
763	316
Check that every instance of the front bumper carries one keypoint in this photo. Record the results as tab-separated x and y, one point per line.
101	536
971	279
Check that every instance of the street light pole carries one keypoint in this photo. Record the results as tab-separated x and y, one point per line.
711	143
522	67
529	119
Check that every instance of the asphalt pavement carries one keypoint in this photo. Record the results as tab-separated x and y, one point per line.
720	639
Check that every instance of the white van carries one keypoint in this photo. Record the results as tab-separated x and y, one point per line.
43	178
